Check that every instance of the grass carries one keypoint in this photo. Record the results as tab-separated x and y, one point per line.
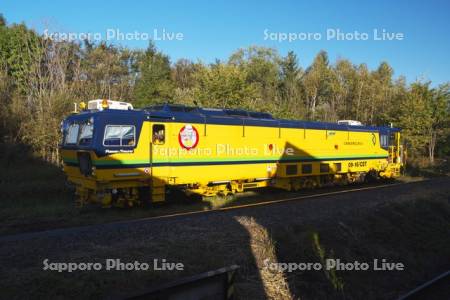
336	282
263	250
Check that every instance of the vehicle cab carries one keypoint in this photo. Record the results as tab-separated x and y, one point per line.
95	147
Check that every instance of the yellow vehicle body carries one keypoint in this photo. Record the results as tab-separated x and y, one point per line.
230	158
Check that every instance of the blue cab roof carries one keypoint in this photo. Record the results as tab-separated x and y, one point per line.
180	113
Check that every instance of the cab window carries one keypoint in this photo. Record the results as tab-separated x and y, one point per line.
72	134
119	135
159	134
384	140
86	133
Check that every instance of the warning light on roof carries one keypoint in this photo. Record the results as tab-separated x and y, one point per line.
82	105
105	104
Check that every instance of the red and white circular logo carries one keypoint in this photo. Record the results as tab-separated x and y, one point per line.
188	137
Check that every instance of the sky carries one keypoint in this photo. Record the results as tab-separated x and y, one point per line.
416	42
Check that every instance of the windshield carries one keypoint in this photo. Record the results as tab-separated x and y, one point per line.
72	134
85	137
79	134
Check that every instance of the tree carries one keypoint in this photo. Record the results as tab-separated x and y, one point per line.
106	72
415	117
44	98
382	94
184	77
154	83
183	73
291	102
362	94
224	85
424	117
18	48
262	69
316	82
343	83
439	107
2	20
7	122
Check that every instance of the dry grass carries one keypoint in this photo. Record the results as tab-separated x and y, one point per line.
263	250
421	167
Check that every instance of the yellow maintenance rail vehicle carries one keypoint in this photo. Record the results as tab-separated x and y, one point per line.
127	157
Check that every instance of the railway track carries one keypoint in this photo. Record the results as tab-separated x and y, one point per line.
436	288
174	216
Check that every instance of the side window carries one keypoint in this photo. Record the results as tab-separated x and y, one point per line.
158	134
128	133
119	135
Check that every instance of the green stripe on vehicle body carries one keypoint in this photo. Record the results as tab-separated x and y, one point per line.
105	162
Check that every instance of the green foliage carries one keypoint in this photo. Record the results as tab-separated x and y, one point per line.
224	85
424	116
290	104
183	73
415	116
106	71
261	68
316	84
154	84
18	50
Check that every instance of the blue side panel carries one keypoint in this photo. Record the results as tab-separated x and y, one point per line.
265	123
221	120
